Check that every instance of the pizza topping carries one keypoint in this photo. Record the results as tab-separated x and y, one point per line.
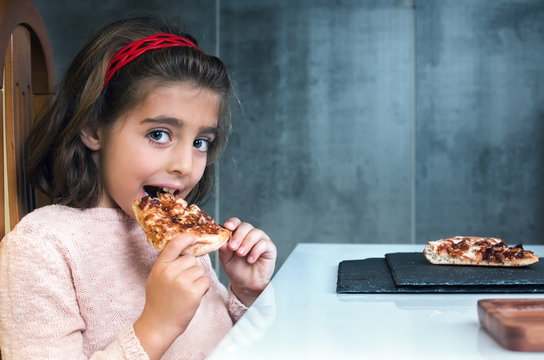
195	220
471	250
166	215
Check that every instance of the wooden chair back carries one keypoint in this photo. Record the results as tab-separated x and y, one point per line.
27	80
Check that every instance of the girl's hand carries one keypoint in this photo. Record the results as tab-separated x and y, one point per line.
174	290
248	259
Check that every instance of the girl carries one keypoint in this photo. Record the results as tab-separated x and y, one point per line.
141	106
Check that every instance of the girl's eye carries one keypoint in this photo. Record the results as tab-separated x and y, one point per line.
202	144
159	136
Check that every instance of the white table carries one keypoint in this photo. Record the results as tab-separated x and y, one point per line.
300	316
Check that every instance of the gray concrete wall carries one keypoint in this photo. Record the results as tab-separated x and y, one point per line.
323	149
480	119
367	121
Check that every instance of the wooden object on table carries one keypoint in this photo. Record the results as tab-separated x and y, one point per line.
516	324
27	80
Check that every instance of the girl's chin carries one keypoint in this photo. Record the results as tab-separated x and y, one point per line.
128	210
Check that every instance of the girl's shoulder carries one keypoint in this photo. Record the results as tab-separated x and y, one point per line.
54	218
61	232
59	223
64	235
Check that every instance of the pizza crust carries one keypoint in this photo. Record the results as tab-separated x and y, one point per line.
164	217
478	251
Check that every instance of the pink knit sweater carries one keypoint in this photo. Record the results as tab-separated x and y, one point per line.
72	283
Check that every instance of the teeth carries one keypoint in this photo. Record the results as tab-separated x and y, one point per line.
154	191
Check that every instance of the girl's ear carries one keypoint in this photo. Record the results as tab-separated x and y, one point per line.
90	136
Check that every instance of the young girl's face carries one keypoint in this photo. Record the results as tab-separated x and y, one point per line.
162	142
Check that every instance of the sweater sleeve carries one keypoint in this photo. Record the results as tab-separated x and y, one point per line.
39	311
235	306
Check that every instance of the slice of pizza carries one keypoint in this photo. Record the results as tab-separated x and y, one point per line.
165	216
480	251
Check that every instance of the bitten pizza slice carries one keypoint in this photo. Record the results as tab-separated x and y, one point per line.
165	216
479	251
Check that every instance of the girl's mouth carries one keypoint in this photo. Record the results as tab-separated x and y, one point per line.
155	191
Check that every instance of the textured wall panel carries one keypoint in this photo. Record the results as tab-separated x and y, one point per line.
322	149
480	116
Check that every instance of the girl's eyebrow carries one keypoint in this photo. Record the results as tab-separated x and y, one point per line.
163	120
178	124
208	130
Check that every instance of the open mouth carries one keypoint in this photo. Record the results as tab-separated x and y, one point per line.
155	191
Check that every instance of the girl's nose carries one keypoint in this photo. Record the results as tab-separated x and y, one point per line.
181	161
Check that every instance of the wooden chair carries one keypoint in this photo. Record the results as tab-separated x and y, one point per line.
27	83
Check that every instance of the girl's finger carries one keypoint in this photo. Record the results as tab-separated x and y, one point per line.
239	235
264	248
251	238
172	250
232	223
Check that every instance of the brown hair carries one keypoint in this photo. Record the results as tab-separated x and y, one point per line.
58	162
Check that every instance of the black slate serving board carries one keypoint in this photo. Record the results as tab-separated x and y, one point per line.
364	276
414	269
373	275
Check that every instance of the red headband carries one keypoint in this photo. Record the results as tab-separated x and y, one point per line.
138	47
